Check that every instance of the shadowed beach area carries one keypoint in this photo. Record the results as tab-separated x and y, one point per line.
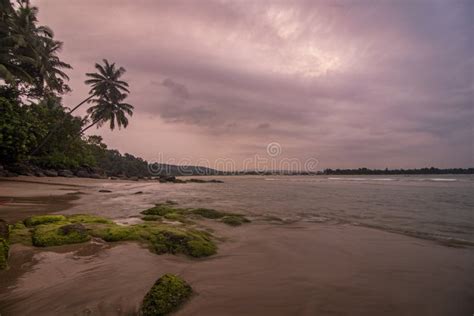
297	268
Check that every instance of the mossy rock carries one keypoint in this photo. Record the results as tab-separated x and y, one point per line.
58	234
4	248
227	218
234	220
201	248
152	218
208	213
193	243
114	232
167	294
43	219
84	218
72	229
174	217
162	209
20	234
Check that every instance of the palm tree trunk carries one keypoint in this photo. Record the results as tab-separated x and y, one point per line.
55	129
86	128
77	106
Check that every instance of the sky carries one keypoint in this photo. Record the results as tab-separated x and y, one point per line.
347	84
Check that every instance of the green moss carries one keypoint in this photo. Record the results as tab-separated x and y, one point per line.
162	209
116	232
201	248
166	295
160	237
43	219
59	234
152	218
17	225
234	220
165	239
208	213
20	234
4	248
174	216
228	218
84	218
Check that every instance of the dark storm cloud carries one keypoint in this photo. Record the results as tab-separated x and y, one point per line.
378	83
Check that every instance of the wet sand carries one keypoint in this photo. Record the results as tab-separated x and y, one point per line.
260	269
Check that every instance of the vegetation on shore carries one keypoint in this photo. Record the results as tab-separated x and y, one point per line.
38	133
166	295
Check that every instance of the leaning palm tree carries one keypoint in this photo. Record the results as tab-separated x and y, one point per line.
110	110
105	82
106	88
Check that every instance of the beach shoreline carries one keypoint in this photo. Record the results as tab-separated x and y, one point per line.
260	268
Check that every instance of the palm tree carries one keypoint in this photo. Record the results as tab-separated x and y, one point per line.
109	110
108	89
28	52
14	53
105	82
51	77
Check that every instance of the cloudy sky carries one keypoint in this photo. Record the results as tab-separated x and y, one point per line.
350	83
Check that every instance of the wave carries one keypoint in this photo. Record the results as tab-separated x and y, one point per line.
436	179
349	179
362	179
445	240
442	239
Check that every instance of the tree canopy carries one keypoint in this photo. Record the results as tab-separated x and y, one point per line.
35	127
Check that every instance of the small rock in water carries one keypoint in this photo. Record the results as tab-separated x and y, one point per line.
105	191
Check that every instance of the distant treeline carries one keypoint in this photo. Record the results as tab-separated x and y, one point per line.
359	171
365	171
196	170
190	170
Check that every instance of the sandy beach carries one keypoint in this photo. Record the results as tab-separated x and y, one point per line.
261	268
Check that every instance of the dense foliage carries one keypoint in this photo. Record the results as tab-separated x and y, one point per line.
35	128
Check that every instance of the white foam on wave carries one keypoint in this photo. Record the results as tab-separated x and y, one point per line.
362	179
348	179
442	179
